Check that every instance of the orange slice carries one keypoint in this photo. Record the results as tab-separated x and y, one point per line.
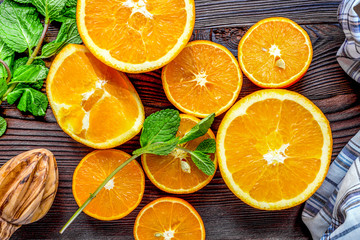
176	172
204	78
120	196
274	149
169	218
135	35
275	53
93	103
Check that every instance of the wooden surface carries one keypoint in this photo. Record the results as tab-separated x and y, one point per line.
224	215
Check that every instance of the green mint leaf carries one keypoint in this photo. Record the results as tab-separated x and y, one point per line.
39	83
199	129
5	51
29	74
203	162
3	126
9	61
158	148
160	126
71	3
207	146
66	13
49	8
68	34
20	26
22	61
3	86
23	1
31	100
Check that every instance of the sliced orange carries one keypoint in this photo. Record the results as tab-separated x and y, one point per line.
176	172
275	53
93	103
120	196
169	218
274	149
204	78
135	35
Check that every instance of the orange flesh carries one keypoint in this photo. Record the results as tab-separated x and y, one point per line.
90	87
219	71
167	215
114	203
166	170
136	36
292	45
267	126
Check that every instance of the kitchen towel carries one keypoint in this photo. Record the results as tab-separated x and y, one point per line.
348	55
333	212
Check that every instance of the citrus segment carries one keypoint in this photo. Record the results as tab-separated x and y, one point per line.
274	149
93	103
120	196
169	218
275	53
204	78
176	172
135	35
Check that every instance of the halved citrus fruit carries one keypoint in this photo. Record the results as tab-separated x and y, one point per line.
135	35
204	78
176	172
274	149
275	53
120	196
93	103
169	218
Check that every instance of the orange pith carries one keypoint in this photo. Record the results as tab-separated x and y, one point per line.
135	35
269	44
204	78
93	103
274	148
120	196
166	172
169	218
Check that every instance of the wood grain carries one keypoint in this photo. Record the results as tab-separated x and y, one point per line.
224	215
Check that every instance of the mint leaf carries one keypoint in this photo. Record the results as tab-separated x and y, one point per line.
160	126
29	74
20	27
3	126
3	87
68	34
203	162
23	1
9	61
31	100
49	8
199	129
71	3
22	61
5	51
159	148
66	13
39	83
207	146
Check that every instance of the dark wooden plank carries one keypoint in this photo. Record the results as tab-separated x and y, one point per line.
235	13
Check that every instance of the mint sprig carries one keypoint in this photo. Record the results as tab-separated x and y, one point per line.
21	32
159	137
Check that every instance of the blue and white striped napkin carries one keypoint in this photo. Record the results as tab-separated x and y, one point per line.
348	55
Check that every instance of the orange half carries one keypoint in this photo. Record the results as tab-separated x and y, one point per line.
274	149
135	35
275	53
120	196
93	103
169	218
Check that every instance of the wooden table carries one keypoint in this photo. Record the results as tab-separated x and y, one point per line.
224	215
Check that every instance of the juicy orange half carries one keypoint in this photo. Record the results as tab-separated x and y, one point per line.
135	35
93	103
120	196
204	78
274	149
169	218
275	53
176	172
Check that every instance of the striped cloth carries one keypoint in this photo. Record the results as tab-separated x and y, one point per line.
333	212
348	55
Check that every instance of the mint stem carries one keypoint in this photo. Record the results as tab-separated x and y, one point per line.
7	70
37	49
93	195
32	57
